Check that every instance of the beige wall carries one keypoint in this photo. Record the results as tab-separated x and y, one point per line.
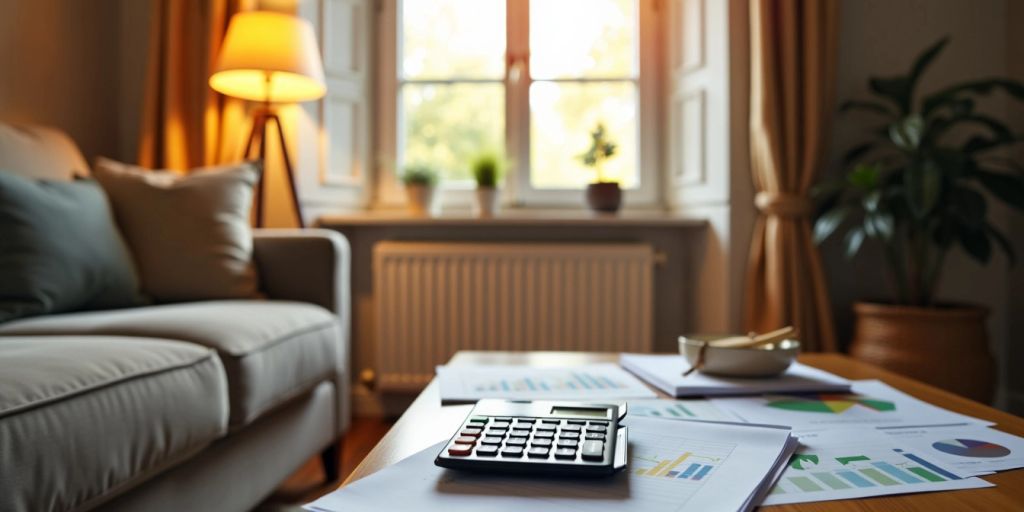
60	68
881	37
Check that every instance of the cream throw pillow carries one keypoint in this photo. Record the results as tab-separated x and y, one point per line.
190	235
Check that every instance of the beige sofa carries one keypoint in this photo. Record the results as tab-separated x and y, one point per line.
189	406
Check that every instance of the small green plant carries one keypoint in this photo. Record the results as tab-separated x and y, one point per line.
916	185
486	169
601	149
420	174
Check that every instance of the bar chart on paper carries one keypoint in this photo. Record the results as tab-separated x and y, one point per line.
695	409
845	473
575	380
683	462
596	381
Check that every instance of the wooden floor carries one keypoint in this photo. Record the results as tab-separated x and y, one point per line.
307	483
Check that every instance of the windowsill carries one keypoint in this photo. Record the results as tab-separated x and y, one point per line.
515	218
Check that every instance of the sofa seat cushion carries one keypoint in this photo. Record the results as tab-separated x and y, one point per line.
83	418
271	350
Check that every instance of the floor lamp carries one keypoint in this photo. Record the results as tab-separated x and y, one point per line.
271	58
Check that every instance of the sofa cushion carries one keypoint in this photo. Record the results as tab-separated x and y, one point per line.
190	234
271	350
39	152
60	249
83	418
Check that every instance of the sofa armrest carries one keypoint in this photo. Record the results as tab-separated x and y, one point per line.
306	265
311	265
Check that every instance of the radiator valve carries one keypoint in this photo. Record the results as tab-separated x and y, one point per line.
368	377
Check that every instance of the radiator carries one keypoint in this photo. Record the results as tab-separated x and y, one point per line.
432	299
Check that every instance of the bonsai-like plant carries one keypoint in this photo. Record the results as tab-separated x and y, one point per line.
486	169
601	149
916	185
420	174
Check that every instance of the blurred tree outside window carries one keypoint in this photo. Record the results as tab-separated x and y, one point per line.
453	82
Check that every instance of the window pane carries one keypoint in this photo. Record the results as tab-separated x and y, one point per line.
447	125
562	115
453	38
583	38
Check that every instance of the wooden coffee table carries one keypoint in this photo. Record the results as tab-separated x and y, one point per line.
426	423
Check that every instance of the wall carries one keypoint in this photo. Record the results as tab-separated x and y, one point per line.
60	62
881	37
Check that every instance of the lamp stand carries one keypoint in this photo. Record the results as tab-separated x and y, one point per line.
261	118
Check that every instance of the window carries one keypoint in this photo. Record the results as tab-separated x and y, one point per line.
527	79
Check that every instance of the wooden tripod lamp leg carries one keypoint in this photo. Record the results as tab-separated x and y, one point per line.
288	169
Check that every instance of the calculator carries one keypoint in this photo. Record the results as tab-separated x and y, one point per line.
539	437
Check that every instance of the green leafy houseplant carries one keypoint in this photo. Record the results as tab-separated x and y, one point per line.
486	169
601	149
917	185
420	174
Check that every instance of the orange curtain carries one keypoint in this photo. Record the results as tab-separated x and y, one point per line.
793	48
185	124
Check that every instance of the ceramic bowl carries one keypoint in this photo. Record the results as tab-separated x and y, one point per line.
764	361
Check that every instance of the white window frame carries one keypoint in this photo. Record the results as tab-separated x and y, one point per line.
517	191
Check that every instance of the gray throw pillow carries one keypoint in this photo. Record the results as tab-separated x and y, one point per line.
60	249
189	234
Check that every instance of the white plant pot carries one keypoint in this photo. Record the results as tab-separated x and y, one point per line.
486	202
420	199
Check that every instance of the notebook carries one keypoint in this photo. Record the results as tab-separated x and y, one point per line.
665	372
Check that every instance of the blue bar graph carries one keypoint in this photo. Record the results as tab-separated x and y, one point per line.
703	471
896	472
689	471
927	464
855	479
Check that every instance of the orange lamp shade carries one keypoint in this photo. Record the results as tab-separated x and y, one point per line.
269	56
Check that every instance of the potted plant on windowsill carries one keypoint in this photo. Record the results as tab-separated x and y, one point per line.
602	195
916	188
486	171
420	180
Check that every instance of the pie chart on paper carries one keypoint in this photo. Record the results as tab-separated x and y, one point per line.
828	404
971	448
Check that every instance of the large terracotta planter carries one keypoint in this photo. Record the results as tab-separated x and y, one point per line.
943	346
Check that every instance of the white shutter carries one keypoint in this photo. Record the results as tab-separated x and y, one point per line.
335	142
698	145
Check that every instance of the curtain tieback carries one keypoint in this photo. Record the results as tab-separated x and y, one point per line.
784	205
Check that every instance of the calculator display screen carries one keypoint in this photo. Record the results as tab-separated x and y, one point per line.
579	411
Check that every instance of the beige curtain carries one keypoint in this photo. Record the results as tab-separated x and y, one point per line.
185	124
793	48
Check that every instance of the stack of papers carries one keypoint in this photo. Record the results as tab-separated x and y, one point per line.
666	373
593	382
872	441
836	464
705	466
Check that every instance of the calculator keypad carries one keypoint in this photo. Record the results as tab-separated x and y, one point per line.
536	438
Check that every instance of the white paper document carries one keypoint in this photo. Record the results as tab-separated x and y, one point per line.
871	403
665	372
837	464
588	382
705	467
973	450
692	409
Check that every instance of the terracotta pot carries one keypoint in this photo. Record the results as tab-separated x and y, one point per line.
945	346
486	202
420	199
604	196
